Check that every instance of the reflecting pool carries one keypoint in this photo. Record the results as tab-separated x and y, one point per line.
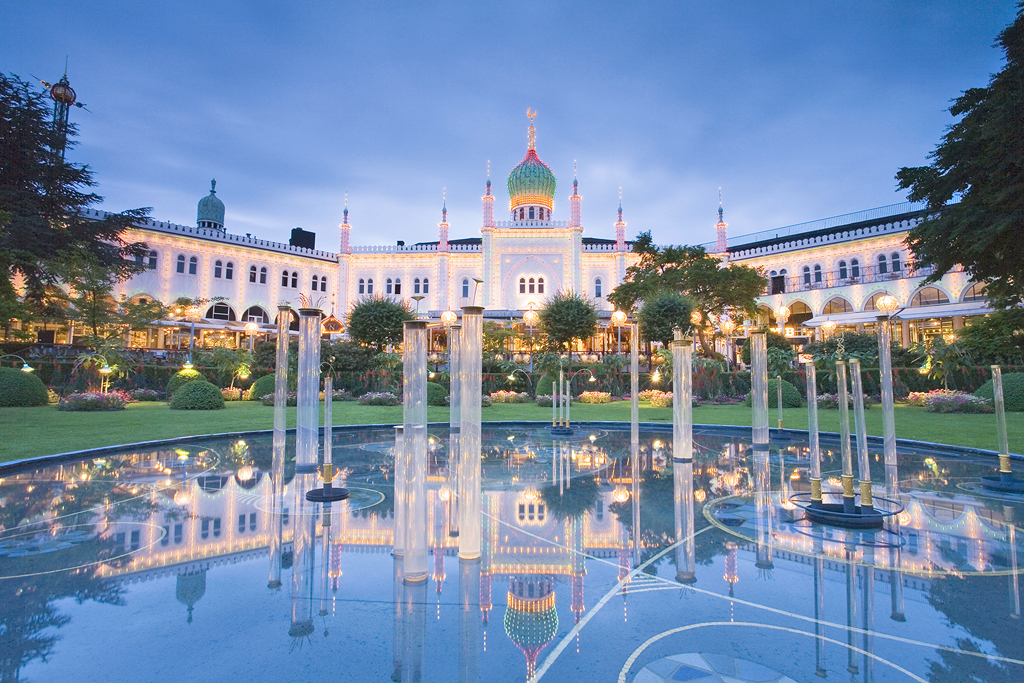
202	561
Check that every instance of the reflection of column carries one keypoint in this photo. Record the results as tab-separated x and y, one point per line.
851	608
1014	578
763	506
634	436
398	630
401	484
682	480
863	459
868	590
849	504
303	552
454	424
280	440
307	435
819	608
414	409
325	558
469	471
896	574
469	621
415	615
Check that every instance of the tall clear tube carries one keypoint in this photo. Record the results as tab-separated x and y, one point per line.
778	397
863	458
849	503
401	484
888	414
284	319
328	427
759	387
556	404
454	422
812	431
469	472
682	397
307	436
1000	406
414	410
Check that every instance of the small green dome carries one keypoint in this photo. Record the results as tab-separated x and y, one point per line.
211	210
531	182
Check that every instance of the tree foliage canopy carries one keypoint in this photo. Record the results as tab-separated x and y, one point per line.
981	160
661	314
693	272
44	197
567	316
377	321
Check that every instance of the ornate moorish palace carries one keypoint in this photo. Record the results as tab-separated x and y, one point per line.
830	269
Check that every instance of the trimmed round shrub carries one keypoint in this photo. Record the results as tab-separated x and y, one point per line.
790	395
1013	391
436	394
21	389
261	387
181	378
544	385
197	396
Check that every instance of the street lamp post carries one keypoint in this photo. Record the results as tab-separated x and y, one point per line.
251	328
783	315
619	319
530	317
25	367
727	327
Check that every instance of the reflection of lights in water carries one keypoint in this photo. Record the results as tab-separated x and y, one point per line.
795	475
835	481
85	476
593	438
181	497
788	504
904	517
620	494
658	444
445	493
245	473
531	494
699	495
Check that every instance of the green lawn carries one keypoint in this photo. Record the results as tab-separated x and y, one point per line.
28	432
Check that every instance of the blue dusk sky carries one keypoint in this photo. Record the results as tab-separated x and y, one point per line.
798	110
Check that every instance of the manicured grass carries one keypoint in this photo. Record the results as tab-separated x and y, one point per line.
29	432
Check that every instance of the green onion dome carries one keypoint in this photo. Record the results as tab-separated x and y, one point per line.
531	183
211	210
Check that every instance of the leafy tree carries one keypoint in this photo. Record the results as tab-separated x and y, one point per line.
377	321
44	198
980	159
566	317
714	290
942	358
661	314
996	338
774	341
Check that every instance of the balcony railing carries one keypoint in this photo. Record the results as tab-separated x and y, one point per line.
849	276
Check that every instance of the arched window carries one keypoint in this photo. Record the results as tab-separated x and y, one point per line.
540	285
389	286
229	271
416	286
426	286
181	263
465	288
872	304
193	266
774	273
295	279
842	270
323	283
398	286
362	286
284	278
522	285
532	286
896	267
807	275
316	283
883	265
532	213
217	268
152	260
976	292
256	314
263	276
836	306
929	296
369	286
854	268
252	273
817	274
522	214
597	288
220	311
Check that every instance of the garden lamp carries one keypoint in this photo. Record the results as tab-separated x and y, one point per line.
887	304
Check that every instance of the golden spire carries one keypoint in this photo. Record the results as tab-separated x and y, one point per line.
533	133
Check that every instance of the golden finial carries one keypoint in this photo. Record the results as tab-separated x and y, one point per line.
533	134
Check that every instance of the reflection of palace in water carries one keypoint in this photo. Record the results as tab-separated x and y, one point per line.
199	508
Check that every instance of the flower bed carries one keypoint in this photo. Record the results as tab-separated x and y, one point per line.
658	399
831	401
957	402
545	401
339	395
595	397
646	394
148	395
231	393
93	402
379	398
509	397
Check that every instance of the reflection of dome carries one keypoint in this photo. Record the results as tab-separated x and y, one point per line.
190	588
211	210
531	623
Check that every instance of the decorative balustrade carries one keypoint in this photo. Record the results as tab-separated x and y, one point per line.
412	248
531	224
849	276
824	240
